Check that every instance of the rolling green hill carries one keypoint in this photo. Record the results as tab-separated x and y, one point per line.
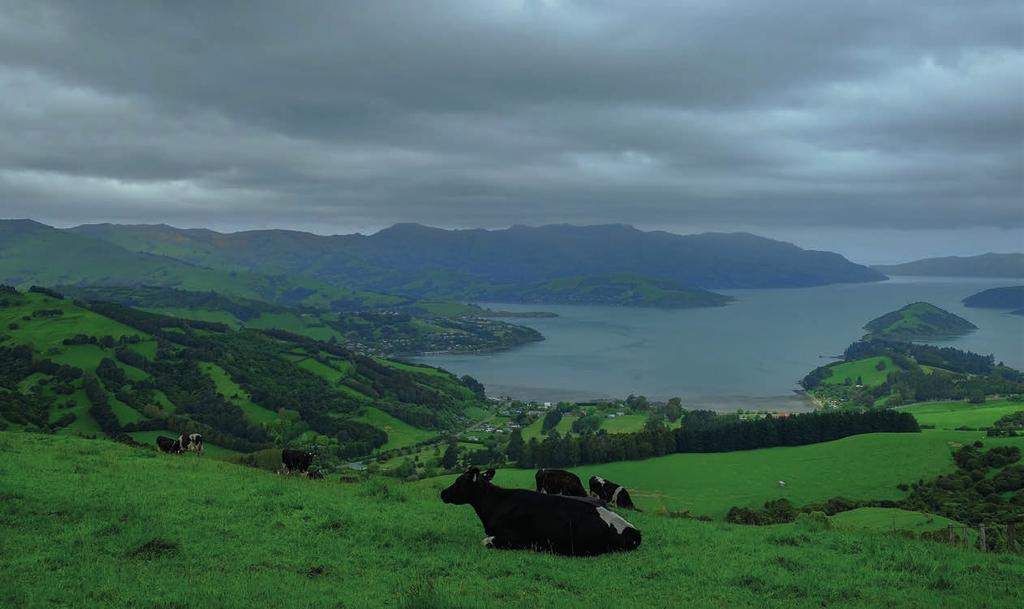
951	415
859	467
73	367
193	532
985	265
918	321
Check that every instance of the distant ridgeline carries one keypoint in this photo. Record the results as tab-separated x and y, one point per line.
101	368
918	321
704	431
425	262
891	373
985	265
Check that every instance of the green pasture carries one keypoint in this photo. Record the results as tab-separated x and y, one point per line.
865	369
951	415
867	466
400	433
97	524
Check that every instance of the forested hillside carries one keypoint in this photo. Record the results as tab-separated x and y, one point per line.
103	368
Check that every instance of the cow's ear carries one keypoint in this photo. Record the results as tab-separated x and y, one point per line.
488	475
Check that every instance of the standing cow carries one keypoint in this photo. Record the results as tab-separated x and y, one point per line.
523	519
168	445
296	461
192	442
614	494
559	482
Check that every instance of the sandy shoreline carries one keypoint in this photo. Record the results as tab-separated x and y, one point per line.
793	402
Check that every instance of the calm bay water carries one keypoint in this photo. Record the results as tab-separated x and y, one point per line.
748	354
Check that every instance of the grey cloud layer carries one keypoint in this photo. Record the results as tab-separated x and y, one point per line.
331	114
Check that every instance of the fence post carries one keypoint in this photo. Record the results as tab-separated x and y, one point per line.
981	537
963	531
952	536
1011	536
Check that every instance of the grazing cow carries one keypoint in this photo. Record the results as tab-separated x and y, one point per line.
614	494
559	482
192	442
524	519
315	475
296	460
168	445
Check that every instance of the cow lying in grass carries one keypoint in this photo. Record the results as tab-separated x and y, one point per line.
519	518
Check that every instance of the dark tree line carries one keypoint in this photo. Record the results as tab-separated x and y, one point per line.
704	431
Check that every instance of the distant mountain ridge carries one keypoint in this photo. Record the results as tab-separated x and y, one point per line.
34	253
984	265
421	261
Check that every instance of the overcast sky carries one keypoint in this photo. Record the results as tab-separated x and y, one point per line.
883	130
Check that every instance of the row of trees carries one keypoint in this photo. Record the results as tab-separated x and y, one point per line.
703	431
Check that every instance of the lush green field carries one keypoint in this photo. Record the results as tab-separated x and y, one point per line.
865	368
95	524
235	394
399	432
859	467
951	415
889	519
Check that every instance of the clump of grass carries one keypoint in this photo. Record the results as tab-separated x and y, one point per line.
376	488
153	549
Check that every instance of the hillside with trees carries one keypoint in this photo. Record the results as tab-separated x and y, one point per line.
99	368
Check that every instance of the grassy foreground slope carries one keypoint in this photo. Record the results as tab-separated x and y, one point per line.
96	524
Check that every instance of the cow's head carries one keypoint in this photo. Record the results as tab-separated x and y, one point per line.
467	486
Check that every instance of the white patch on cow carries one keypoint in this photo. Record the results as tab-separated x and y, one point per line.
599	479
614	520
487	542
615	496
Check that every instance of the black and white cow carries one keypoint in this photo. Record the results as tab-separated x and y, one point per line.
524	519
192	442
559	482
614	494
296	461
168	445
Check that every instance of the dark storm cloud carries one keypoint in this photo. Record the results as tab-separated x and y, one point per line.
332	115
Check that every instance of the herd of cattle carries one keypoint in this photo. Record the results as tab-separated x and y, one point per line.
560	516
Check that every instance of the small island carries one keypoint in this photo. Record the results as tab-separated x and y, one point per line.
1011	298
918	321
